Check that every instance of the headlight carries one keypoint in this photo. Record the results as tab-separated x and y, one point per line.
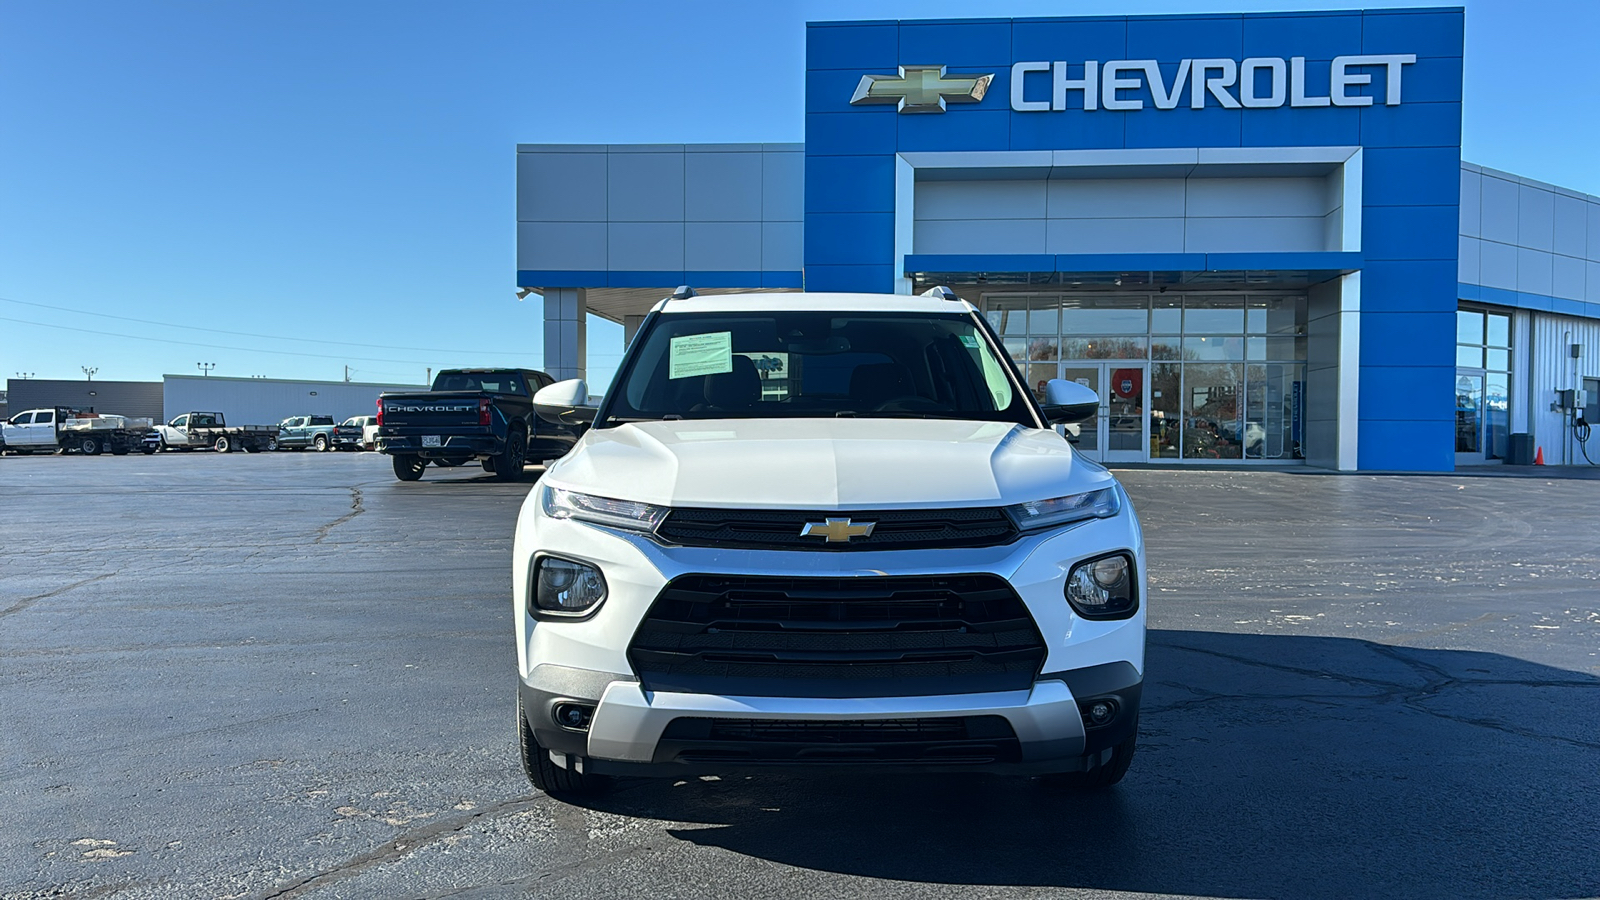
1038	514
634	516
564	587
1102	588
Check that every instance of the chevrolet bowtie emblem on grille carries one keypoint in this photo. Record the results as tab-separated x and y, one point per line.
837	530
921	89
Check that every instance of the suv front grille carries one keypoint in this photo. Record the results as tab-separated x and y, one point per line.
870	636
955	740
780	529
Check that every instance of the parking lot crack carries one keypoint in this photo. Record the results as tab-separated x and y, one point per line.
398	846
26	602
356	509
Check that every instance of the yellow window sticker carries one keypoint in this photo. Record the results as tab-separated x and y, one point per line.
700	354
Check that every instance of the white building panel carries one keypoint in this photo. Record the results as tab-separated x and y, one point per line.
266	401
1534	271
1499	209
1536	218
1471	203
1554	369
1116	198
1571	226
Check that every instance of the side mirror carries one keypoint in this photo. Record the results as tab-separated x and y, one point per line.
1067	402
565	403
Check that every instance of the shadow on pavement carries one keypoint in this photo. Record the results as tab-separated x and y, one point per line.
1269	766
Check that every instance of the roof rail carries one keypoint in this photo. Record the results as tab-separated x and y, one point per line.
683	292
940	293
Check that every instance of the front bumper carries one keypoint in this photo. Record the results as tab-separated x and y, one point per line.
586	661
627	734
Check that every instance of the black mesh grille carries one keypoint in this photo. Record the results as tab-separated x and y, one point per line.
837	637
779	529
955	740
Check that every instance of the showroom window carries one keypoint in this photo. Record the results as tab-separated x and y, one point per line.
1483	384
1225	371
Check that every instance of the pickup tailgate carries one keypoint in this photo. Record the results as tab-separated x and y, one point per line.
435	409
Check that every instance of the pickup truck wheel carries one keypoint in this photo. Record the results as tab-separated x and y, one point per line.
546	775
119	451
508	465
223	444
148	450
1100	777
408	467
90	446
272	444
322	443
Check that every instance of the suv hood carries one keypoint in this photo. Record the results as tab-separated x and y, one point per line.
825	464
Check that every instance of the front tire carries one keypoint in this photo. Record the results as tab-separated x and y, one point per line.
546	775
508	465
408	467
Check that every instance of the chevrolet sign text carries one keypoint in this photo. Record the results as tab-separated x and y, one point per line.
1261	82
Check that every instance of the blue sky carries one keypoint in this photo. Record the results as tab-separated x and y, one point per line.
323	183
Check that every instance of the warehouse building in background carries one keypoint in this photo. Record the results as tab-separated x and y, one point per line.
244	401
1252	234
139	399
268	401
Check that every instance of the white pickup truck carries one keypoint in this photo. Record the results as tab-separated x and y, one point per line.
881	556
74	430
210	430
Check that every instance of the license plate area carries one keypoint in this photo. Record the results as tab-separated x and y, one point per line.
430	440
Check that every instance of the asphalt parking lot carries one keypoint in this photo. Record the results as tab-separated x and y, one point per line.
290	675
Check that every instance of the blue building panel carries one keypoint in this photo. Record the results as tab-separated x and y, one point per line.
849	184
1069	39
957	44
1410	445
1410	232
1413	125
1408	338
1409	176
960	129
1313	35
852	45
1408	285
851	134
1434	32
1185	37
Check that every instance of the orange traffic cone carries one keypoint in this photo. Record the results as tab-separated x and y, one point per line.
1538	458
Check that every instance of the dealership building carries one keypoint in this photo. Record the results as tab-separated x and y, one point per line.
1253	235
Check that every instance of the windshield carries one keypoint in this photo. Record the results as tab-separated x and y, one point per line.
747	365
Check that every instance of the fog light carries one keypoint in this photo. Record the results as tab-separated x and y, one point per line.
574	716
1098	712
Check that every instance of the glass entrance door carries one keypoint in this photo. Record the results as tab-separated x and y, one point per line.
1120	432
1469	417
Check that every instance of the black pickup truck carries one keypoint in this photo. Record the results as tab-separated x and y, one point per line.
482	414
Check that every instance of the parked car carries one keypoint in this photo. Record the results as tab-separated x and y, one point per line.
72	430
482	414
196	430
300	432
892	561
356	433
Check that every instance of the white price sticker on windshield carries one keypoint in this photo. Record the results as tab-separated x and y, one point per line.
700	354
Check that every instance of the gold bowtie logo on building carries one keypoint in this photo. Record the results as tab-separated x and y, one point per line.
837	531
921	89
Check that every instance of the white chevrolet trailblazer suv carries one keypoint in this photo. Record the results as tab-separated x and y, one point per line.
814	531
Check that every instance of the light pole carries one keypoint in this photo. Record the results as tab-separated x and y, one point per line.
26	374
88	372
205	368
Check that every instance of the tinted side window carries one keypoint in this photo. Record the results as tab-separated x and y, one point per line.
322	420
44	418
23	419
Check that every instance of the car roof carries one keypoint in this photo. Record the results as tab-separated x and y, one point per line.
812	302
